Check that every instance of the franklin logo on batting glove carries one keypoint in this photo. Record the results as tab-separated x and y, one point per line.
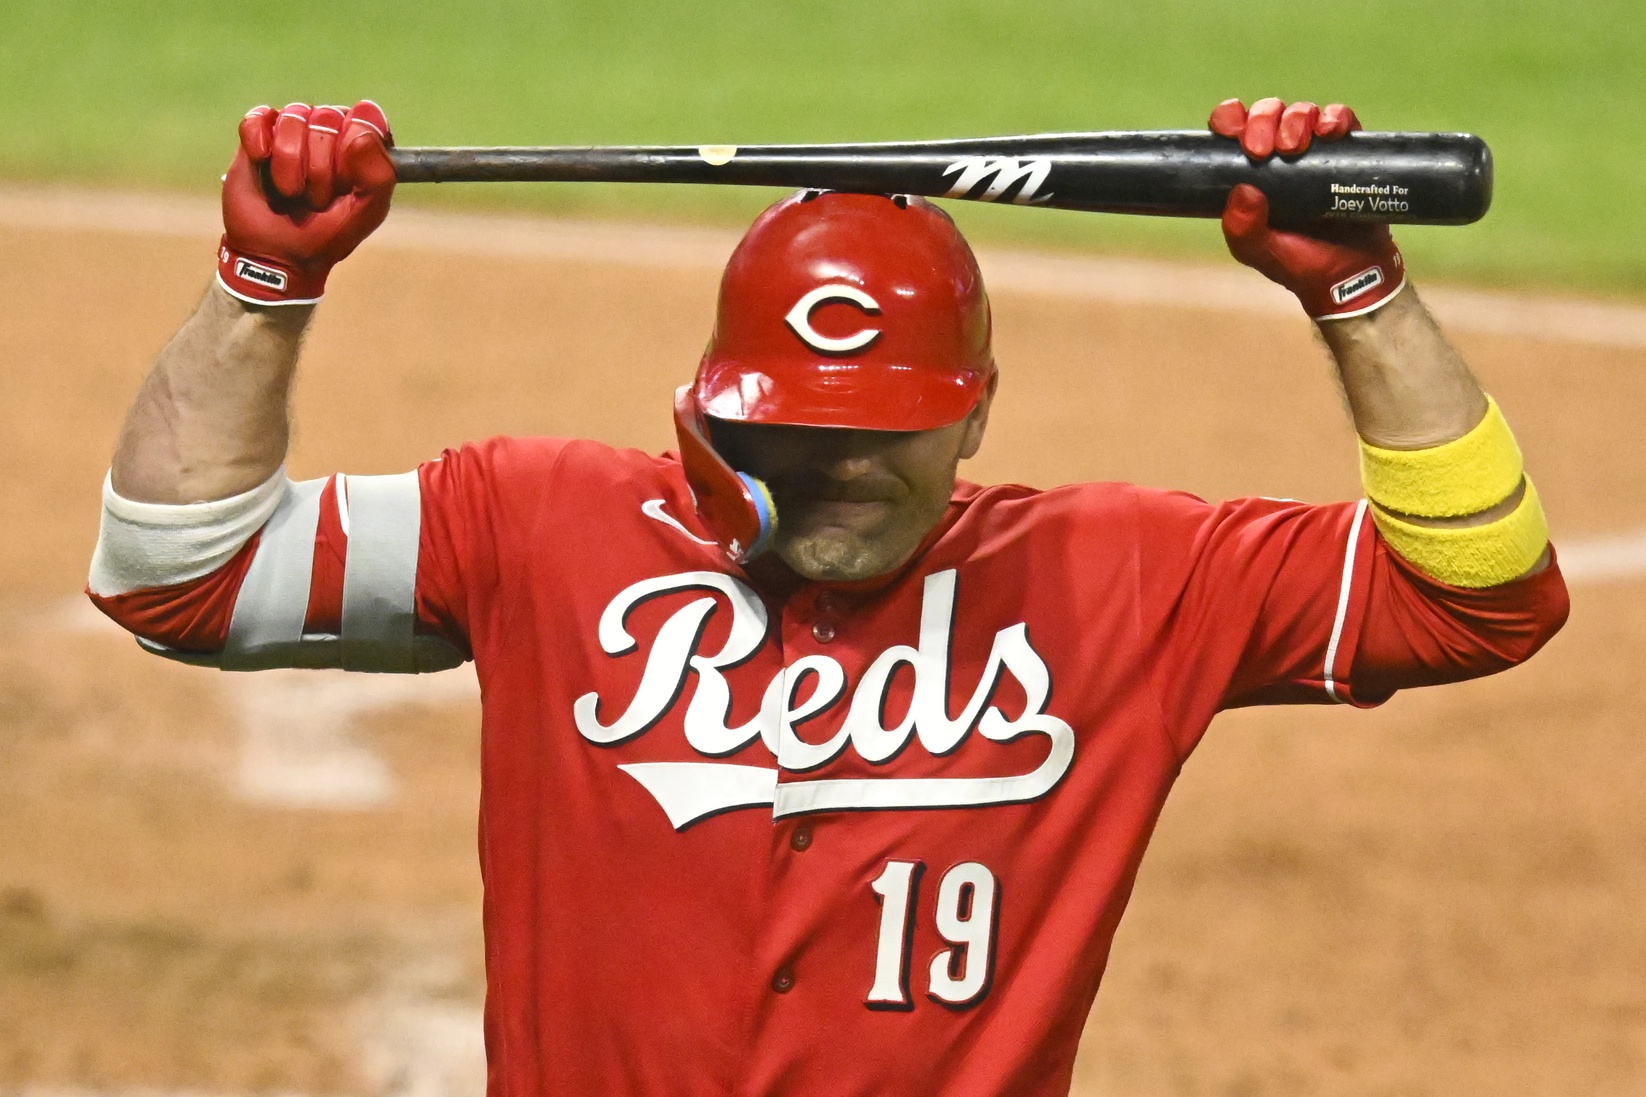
1350	288
252	272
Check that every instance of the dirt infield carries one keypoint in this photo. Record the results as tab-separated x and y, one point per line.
1444	896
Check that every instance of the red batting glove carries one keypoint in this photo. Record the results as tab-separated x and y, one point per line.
1337	270
307	185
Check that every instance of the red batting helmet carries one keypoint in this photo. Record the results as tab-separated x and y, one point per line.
836	310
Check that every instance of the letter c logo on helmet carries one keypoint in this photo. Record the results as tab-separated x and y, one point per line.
799	319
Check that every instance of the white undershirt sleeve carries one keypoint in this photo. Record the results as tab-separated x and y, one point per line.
146	545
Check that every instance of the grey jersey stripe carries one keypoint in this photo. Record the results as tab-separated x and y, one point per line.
274	598
379	588
380	576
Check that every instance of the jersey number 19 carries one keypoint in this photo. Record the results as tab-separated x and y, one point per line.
968	905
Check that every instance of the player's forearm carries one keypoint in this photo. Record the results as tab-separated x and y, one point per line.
1407	387
1411	394
211	419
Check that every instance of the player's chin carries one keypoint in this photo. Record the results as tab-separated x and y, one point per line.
837	555
842	542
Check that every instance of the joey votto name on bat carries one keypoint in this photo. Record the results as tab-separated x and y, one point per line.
1369	198
805	688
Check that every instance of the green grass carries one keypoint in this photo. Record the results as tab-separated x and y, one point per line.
147	93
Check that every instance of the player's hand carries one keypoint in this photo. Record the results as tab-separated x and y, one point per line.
1336	271
307	185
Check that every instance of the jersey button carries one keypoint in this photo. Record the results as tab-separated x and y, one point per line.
823	631
783	981
801	840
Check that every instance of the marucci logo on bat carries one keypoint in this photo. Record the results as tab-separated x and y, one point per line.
1007	171
804	690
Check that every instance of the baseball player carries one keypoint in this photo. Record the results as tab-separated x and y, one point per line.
806	767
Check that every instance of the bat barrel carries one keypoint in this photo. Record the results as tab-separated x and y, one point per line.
1406	178
1396	178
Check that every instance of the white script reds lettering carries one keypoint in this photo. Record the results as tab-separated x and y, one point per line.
810	685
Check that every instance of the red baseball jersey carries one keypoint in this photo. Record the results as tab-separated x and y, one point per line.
747	835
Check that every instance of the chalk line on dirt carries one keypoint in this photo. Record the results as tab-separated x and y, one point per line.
426	1048
130	1091
299	744
1108	280
1599	559
298	749
409	1048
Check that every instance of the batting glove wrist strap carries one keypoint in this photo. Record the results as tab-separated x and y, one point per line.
259	280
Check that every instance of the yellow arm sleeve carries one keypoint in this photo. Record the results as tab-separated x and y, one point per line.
1465	476
1472	556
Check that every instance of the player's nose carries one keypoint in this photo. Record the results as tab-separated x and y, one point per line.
840	459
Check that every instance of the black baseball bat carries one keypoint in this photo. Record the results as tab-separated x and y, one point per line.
1399	178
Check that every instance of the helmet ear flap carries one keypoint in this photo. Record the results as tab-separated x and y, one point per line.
736	508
